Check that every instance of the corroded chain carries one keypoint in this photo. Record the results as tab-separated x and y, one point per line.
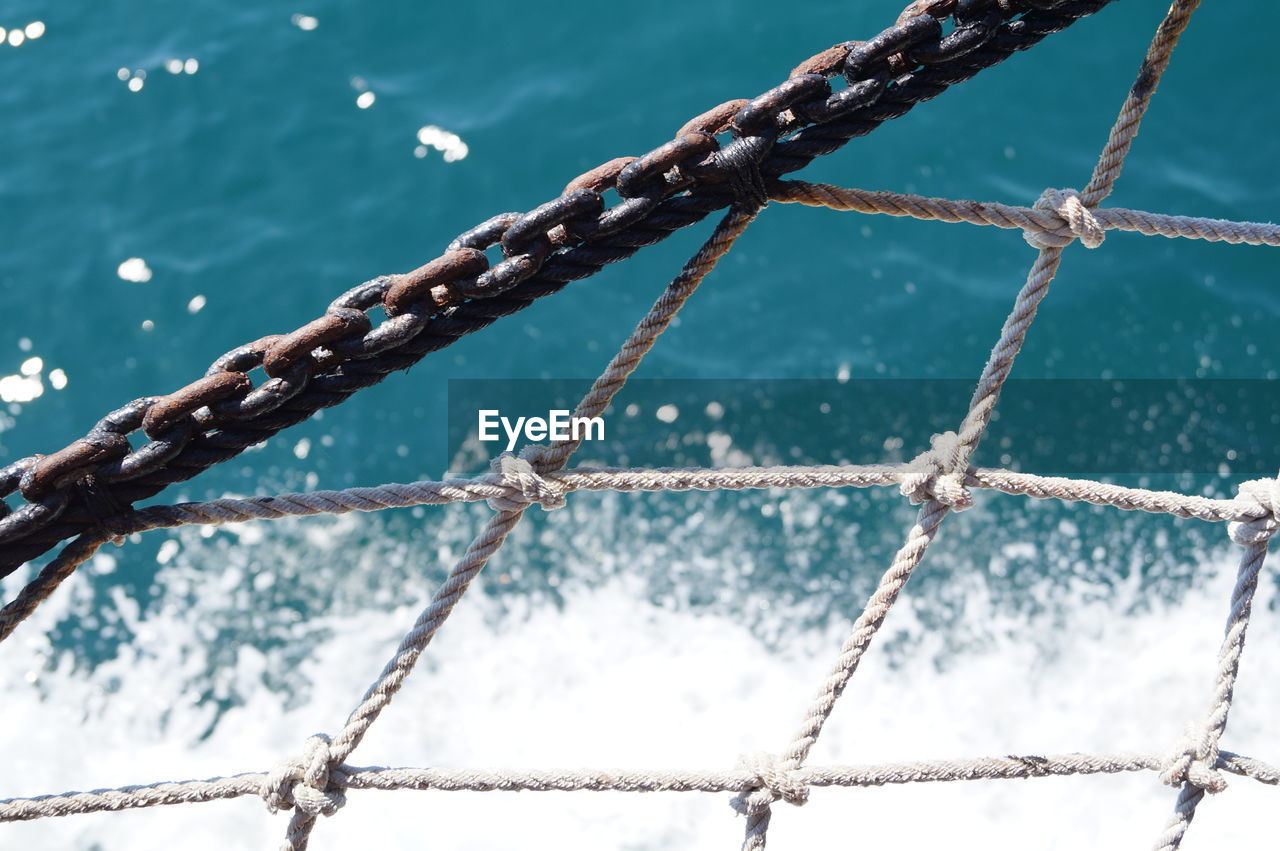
837	95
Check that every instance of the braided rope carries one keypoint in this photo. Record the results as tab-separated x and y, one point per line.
550	489
279	787
1044	225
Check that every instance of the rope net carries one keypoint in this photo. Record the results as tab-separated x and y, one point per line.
940	481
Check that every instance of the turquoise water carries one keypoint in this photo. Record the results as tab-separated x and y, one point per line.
252	163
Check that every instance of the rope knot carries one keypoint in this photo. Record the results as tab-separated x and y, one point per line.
772	781
1078	221
1195	761
937	474
310	783
1259	502
524	484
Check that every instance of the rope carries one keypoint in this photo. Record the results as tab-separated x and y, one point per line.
47	581
1051	223
1125	129
280	786
1192	766
1250	514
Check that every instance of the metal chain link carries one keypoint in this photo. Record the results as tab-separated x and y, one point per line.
832	97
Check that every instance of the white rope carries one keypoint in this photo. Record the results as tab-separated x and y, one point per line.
917	479
280	786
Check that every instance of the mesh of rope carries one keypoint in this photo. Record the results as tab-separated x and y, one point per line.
939	480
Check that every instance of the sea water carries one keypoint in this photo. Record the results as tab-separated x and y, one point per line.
177	179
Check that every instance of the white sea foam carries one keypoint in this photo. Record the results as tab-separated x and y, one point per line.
609	678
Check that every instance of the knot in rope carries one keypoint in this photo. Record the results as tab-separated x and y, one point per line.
1078	221
525	485
771	781
308	783
936	474
1260	501
1195	761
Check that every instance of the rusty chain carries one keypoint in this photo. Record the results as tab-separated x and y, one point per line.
93	482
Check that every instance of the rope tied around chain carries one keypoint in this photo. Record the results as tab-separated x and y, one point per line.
1078	221
740	161
937	474
108	513
1259	500
1195	761
772	781
525	485
309	783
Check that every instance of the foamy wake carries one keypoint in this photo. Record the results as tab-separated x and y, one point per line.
609	679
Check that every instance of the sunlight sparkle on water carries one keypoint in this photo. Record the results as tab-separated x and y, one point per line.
305	23
134	269
178	66
28	384
18	35
19	388
365	100
133	79
448	144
